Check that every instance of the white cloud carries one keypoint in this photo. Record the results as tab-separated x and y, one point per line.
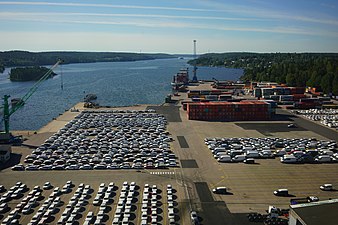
150	23
107	6
26	14
267	14
209	6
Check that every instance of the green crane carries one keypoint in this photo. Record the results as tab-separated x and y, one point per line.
7	112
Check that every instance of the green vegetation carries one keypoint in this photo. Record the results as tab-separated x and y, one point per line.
24	58
28	73
318	70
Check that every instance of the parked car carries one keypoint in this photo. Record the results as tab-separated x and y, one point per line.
194	217
47	186
249	161
18	167
288	159
280	152
323	158
239	158
224	158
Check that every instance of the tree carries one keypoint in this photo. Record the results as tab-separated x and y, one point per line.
326	83
291	79
335	85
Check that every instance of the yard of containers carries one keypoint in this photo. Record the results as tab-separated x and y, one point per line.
54	205
289	150
111	139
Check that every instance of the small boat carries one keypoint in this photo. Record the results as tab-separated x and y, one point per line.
90	97
16	101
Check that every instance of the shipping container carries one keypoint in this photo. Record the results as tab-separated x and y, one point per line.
286	98
297	97
297	90
267	91
229	111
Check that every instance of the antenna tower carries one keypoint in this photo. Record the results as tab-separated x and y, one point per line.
194	79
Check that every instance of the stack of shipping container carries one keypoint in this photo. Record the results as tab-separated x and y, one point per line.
229	111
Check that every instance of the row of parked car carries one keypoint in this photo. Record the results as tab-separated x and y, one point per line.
106	140
328	117
151	211
309	150
29	203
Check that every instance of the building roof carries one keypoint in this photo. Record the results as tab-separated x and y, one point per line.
322	212
3	152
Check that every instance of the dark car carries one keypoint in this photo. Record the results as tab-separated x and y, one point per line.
18	167
281	192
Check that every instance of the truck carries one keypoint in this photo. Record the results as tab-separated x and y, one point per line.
295	201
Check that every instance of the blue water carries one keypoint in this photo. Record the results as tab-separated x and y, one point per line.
114	83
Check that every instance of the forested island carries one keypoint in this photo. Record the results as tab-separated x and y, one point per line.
25	58
318	70
28	73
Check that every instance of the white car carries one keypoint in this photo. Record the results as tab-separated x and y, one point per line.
326	187
47	186
194	217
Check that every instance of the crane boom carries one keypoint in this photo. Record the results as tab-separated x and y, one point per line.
9	111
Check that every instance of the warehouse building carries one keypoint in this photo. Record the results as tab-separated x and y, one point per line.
314	213
5	153
229	111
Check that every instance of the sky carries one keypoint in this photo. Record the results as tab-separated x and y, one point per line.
170	26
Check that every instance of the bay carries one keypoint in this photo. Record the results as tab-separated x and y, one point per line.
114	83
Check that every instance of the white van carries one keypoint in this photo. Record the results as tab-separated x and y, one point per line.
323	158
224	158
219	190
266	154
280	152
233	153
298	153
251	154
327	152
219	154
239	158
248	148
216	150
288	159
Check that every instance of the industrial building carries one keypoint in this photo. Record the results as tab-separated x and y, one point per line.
5	153
314	213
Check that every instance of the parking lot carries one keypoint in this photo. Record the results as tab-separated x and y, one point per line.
106	203
295	150
251	185
327	117
110	139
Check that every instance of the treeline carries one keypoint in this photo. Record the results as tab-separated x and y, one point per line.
318	70
24	58
28	73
